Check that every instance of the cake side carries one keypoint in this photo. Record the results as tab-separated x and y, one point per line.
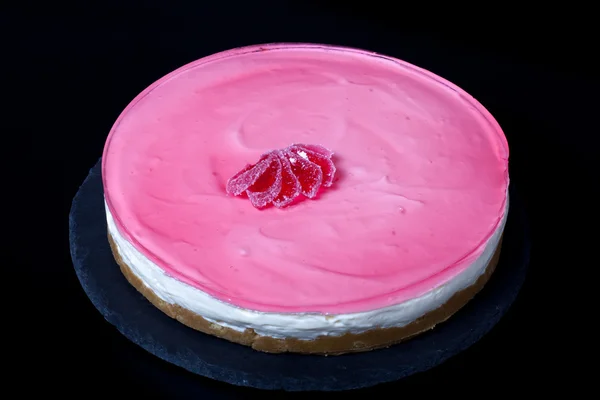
325	345
295	332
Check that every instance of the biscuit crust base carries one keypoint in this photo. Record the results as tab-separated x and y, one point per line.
324	345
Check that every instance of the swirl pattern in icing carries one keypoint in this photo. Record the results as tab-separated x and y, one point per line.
421	178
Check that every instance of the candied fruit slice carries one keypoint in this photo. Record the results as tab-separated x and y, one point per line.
315	148
281	175
320	156
268	185
290	185
308	173
241	181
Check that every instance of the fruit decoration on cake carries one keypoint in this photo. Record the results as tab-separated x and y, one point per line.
280	176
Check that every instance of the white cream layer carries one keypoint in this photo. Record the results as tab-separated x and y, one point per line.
296	325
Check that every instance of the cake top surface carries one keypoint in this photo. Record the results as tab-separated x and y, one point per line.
420	186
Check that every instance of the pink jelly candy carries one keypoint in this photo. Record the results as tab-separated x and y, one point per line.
280	176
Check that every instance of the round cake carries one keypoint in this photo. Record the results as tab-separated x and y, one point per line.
306	198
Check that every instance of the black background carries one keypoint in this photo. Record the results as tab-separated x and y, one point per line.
77	67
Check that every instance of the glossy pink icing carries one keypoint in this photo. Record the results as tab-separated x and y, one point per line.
421	178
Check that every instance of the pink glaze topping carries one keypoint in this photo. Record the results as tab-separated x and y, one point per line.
421	180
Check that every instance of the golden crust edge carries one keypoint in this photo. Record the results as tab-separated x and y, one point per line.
324	345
